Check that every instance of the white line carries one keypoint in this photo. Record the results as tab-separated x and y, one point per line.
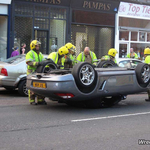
109	117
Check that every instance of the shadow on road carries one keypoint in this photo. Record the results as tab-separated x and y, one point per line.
9	93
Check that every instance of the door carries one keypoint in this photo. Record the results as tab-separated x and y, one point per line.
123	49
42	36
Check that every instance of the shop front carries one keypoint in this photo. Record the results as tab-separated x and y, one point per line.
4	28
132	29
55	22
93	25
44	20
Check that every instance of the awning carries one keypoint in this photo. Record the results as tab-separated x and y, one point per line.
5	1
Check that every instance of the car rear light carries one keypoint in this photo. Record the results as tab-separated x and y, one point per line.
4	72
65	95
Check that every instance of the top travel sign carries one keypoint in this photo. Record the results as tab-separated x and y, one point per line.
134	10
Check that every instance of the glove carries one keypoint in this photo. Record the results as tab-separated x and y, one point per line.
41	63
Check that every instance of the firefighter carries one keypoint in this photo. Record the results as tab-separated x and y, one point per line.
147	61
111	55
34	58
132	54
58	57
87	56
70	57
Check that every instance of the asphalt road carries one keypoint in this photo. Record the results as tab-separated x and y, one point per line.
60	127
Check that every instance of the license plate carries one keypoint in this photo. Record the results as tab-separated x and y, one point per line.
39	85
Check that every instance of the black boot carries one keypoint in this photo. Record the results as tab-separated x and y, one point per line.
33	103
42	103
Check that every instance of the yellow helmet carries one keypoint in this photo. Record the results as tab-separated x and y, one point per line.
70	47
34	43
63	50
112	52
146	51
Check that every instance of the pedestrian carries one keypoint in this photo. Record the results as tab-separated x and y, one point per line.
34	58
22	49
147	61
58	57
87	56
70	57
111	55
15	52
132	54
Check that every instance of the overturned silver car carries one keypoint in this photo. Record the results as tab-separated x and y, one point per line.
93	87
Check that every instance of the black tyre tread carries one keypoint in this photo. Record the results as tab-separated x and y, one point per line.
20	88
40	69
102	63
138	70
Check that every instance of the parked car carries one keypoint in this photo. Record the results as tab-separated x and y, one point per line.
128	62
13	74
92	86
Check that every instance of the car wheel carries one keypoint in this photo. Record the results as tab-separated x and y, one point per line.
47	67
109	102
143	74
85	77
107	64
22	89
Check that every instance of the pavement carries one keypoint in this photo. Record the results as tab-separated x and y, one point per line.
56	126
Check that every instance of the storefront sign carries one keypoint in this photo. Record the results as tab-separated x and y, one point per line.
57	2
134	10
51	2
95	5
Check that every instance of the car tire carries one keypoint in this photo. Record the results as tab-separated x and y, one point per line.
47	67
143	74
85	77
107	64
22	89
109	102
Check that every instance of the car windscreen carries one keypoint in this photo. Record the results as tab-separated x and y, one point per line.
15	60
134	63
124	63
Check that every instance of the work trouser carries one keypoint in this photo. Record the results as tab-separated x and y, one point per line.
31	94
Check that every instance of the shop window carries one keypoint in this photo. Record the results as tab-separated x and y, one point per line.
142	36
41	23
99	39
41	11
24	9
57	34
124	35
58	13
93	18
3	37
148	37
23	32
134	36
122	50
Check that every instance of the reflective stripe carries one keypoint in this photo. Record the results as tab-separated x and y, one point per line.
91	55
82	57
78	61
29	60
56	56
33	55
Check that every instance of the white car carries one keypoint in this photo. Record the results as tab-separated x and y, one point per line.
13	74
128	62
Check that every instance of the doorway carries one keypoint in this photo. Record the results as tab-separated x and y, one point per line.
42	36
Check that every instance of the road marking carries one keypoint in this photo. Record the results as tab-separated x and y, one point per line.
109	117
